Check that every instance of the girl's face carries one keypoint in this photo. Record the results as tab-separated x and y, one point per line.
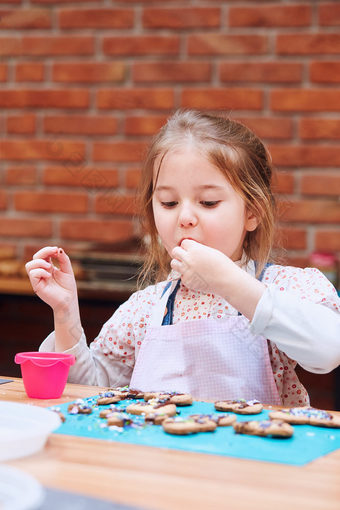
193	199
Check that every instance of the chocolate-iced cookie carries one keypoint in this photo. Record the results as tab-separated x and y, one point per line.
240	406
117	419
179	399
307	416
189	425
108	397
274	428
79	407
154	406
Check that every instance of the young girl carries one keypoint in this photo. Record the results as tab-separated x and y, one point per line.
224	324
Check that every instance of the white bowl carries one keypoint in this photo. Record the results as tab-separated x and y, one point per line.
24	429
18	490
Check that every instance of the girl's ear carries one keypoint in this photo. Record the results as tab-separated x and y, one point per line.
251	221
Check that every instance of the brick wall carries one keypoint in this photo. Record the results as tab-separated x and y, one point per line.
84	84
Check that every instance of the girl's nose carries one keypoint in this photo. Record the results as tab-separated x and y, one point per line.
187	216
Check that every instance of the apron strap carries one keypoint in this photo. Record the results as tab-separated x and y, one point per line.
168	317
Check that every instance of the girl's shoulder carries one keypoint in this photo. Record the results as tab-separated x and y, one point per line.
309	283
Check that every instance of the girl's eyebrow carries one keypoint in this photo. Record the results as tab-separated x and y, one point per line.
202	186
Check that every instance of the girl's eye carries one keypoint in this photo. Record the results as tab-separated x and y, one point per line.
210	203
169	204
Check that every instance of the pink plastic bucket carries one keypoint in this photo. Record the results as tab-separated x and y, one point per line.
44	373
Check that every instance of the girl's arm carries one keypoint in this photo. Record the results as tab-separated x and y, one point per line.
57	287
301	315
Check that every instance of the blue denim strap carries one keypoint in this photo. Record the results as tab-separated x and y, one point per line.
167	319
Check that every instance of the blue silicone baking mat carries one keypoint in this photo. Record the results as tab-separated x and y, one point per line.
306	444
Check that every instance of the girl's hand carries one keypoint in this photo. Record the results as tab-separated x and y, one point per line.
208	270
201	267
54	285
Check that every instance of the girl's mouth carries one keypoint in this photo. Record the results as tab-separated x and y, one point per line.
183	238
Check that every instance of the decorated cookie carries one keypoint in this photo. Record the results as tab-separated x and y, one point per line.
153	406
307	416
108	397
240	406
155	418
223	420
126	392
79	407
179	399
119	419
189	425
104	413
275	428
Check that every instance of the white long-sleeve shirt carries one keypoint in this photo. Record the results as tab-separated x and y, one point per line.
299	314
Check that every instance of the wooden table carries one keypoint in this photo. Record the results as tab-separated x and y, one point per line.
170	480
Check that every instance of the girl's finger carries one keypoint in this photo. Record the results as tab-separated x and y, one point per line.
46	253
178	253
37	274
64	261
176	265
35	264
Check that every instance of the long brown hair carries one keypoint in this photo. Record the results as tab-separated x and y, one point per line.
238	153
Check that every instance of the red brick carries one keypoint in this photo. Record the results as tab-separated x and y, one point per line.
96	18
319	128
3	72
88	72
17	150
305	100
61	98
223	44
3	199
116	203
21	124
25	227
50	45
305	155
283	182
324	184
96	230
124	99
157	72
327	240
50	202
91	178
291	238
185	17
10	46
132	178
325	72
62	1
269	127
24	19
270	16
144	125
80	125
222	98
329	14
118	151
267	72
141	45
29	71
310	211
22	175
308	44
